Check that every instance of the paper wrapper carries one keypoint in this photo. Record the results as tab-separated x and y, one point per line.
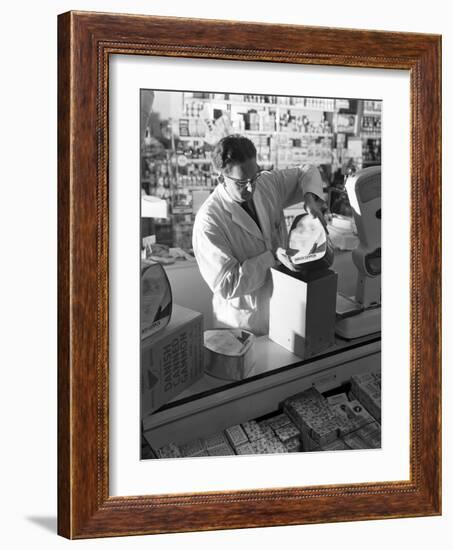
156	299
308	244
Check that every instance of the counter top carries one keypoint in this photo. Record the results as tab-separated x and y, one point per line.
270	358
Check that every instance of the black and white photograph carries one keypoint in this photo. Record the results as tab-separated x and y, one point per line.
260	290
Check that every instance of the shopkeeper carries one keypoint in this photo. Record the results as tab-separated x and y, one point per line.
240	231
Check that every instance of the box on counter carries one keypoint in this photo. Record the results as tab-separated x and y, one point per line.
302	312
172	359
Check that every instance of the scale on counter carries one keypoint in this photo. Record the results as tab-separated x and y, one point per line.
360	315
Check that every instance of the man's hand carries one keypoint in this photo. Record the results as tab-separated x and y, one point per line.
317	208
284	259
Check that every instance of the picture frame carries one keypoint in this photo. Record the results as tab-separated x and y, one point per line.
85	42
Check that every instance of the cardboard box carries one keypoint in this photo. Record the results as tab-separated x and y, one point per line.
302	312
172	359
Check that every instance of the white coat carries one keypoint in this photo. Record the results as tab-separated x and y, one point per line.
234	256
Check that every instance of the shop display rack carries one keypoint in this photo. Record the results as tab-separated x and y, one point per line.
286	131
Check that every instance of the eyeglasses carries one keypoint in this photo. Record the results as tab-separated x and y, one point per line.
243	183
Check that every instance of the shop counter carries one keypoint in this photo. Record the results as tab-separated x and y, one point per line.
212	404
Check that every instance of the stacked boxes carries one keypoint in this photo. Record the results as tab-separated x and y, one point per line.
276	435
307	422
332	424
252	430
311	414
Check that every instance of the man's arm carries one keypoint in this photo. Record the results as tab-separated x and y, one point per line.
294	183
221	270
302	184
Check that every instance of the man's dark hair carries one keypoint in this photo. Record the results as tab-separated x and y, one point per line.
232	150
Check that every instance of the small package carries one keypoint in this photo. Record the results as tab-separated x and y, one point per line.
253	431
236	435
215	440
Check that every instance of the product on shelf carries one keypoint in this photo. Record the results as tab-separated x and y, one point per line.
236	436
215	440
252	429
279	420
311	413
287	132
372	106
266	429
288	432
313	423
245	449
268	446
367	389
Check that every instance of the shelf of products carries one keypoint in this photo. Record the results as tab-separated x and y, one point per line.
199	415
286	131
348	417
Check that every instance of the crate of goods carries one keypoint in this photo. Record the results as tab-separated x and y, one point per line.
172	359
